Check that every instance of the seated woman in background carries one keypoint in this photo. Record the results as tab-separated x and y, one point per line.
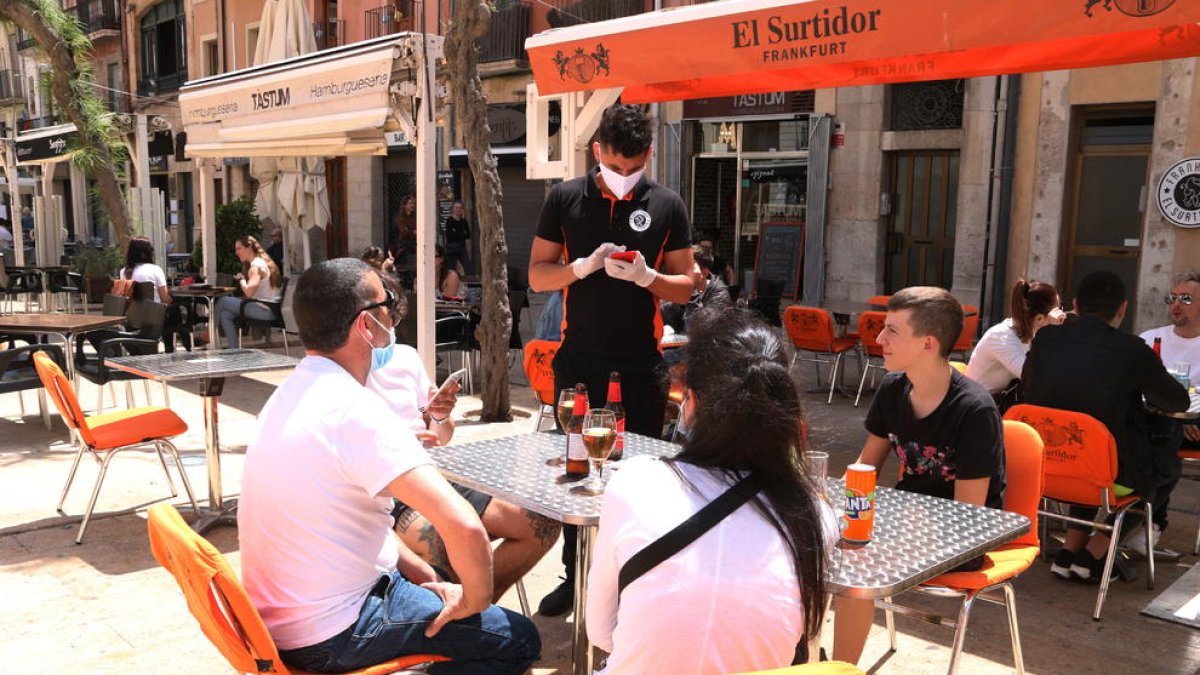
379	259
746	593
999	356
140	268
449	285
259	280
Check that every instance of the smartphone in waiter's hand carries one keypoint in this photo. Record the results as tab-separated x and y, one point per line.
450	381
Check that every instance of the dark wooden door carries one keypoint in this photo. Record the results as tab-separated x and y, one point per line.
919	248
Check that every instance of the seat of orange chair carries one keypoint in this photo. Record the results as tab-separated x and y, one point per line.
999	565
1083	495
1189	454
132	426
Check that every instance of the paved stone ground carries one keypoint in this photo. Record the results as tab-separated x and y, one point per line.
107	607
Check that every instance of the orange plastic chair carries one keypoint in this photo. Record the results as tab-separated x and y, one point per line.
811	330
959	366
220	604
538	356
966	339
1081	469
879	301
821	668
1023	466
870	324
103	436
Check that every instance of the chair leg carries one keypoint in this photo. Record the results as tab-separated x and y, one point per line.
43	409
129	394
861	381
833	378
1109	559
87	515
287	350
889	620
21	400
1149	546
1196	546
162	461
187	486
1010	605
960	631
522	597
166	395
99	399
70	479
146	388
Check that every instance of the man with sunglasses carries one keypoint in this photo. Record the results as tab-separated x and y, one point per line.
335	586
1179	343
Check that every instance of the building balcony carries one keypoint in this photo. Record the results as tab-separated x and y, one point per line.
394	17
161	84
10	88
100	18
504	46
572	12
329	34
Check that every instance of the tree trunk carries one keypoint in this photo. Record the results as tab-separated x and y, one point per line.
473	20
64	74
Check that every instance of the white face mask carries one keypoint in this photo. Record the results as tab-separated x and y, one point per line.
620	185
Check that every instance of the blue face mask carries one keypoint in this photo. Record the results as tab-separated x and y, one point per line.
381	355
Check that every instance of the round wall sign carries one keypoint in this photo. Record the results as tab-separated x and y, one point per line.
1178	193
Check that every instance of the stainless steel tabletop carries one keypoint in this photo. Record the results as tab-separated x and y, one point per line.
916	538
201	364
514	469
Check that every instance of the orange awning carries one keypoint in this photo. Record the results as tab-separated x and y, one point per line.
748	46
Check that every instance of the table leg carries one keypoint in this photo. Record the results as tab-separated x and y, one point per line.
218	512
581	649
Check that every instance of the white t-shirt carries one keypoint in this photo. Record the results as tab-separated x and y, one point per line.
1175	348
728	603
264	291
6	236
998	357
403	384
152	273
314	518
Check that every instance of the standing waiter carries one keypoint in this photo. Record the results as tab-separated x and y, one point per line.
611	320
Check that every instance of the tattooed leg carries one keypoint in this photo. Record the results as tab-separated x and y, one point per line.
526	536
419	535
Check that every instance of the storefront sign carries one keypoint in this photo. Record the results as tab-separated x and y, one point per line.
771	103
507	123
396	139
44	148
1178	193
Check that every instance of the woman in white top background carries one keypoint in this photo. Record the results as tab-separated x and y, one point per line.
259	280
141	268
999	355
742	596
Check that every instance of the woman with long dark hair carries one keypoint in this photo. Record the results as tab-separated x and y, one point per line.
999	356
749	590
259	280
141	268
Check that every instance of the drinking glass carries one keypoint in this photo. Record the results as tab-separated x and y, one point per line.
599	437
564	410
1182	372
817	464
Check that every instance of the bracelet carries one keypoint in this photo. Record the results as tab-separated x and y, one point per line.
437	421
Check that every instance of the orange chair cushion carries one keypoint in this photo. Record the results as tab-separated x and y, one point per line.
136	425
999	565
1189	454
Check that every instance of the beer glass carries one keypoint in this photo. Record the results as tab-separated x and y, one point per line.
817	464
566	406
599	437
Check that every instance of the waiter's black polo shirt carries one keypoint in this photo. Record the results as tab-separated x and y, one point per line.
604	316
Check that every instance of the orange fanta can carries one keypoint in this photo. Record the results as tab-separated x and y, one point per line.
860	503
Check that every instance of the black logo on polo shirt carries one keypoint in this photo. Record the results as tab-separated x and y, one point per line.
639	221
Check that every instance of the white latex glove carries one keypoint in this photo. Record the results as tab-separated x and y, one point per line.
637	271
582	267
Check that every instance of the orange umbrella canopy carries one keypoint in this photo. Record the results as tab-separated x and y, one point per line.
749	46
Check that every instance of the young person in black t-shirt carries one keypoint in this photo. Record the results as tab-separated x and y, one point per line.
944	428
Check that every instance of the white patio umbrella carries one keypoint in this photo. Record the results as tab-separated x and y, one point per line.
291	191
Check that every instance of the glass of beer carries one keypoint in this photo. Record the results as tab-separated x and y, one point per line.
566	406
599	437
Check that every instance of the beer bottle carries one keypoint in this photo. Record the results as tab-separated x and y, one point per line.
614	404
577	456
1158	348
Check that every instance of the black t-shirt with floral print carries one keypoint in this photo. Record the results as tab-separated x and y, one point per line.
961	438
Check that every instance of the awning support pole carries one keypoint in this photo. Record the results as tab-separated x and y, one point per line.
208	221
426	150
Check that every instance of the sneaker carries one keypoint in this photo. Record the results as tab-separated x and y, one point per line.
1136	540
1061	567
558	601
1087	568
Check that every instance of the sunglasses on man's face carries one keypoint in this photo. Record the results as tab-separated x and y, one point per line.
1183	298
389	302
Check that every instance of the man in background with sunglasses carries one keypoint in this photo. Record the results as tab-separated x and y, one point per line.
1179	348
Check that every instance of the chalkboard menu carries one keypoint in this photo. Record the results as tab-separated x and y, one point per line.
777	263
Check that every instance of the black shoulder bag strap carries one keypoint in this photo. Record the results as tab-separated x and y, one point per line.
686	532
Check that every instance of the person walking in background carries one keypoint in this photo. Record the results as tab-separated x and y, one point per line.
259	280
999	356
1088	365
457	230
612	320
942	426
758	572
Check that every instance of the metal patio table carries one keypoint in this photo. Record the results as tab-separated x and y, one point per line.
514	469
211	368
209	295
916	538
63	325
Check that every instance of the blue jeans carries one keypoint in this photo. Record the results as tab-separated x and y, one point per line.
227	309
392	623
